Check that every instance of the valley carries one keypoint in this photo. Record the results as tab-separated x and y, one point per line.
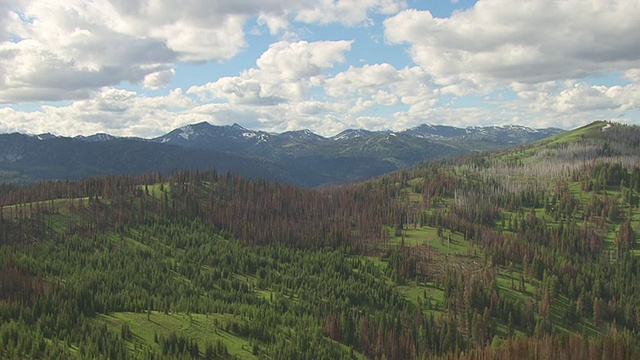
496	254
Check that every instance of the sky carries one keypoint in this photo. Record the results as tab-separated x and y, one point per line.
145	67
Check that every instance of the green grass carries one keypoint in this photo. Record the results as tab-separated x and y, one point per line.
428	235
413	237
199	327
504	285
577	134
266	294
157	189
60	213
381	264
559	305
415	181
412	292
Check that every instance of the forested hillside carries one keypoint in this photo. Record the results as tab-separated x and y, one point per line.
525	253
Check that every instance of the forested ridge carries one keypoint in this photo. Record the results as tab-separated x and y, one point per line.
524	253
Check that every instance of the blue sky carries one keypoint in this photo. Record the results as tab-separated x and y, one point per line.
142	67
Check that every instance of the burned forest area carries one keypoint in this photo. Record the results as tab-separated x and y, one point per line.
526	252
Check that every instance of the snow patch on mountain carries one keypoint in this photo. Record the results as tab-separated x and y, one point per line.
187	132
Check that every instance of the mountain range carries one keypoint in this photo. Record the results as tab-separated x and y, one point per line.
527	252
299	157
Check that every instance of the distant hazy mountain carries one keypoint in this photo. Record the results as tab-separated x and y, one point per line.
96	137
301	135
205	135
300	157
350	134
499	135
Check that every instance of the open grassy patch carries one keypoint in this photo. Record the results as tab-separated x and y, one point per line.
157	189
577	134
509	284
199	327
412	292
449	243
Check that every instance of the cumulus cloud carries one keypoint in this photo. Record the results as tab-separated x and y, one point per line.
158	79
633	75
6	12
544	54
581	97
285	72
275	94
315	108
55	49
272	96
498	41
384	85
115	111
347	11
64	52
367	79
275	22
297	60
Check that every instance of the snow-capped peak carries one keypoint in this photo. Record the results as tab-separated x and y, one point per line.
239	127
45	136
186	132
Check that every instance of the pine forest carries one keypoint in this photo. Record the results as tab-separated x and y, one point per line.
526	253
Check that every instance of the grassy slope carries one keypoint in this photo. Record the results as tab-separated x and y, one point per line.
460	251
202	328
457	252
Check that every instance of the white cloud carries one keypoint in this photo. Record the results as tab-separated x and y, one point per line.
348	12
276	94
285	72
275	22
360	105
383	84
6	12
544	53
70	48
385	98
298	60
119	112
64	49
237	90
499	41
633	75
581	97
367	79
316	107
158	79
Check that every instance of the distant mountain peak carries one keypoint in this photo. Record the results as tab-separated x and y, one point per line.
186	132
96	137
351	134
423	126
304	134
435	131
44	136
301	156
